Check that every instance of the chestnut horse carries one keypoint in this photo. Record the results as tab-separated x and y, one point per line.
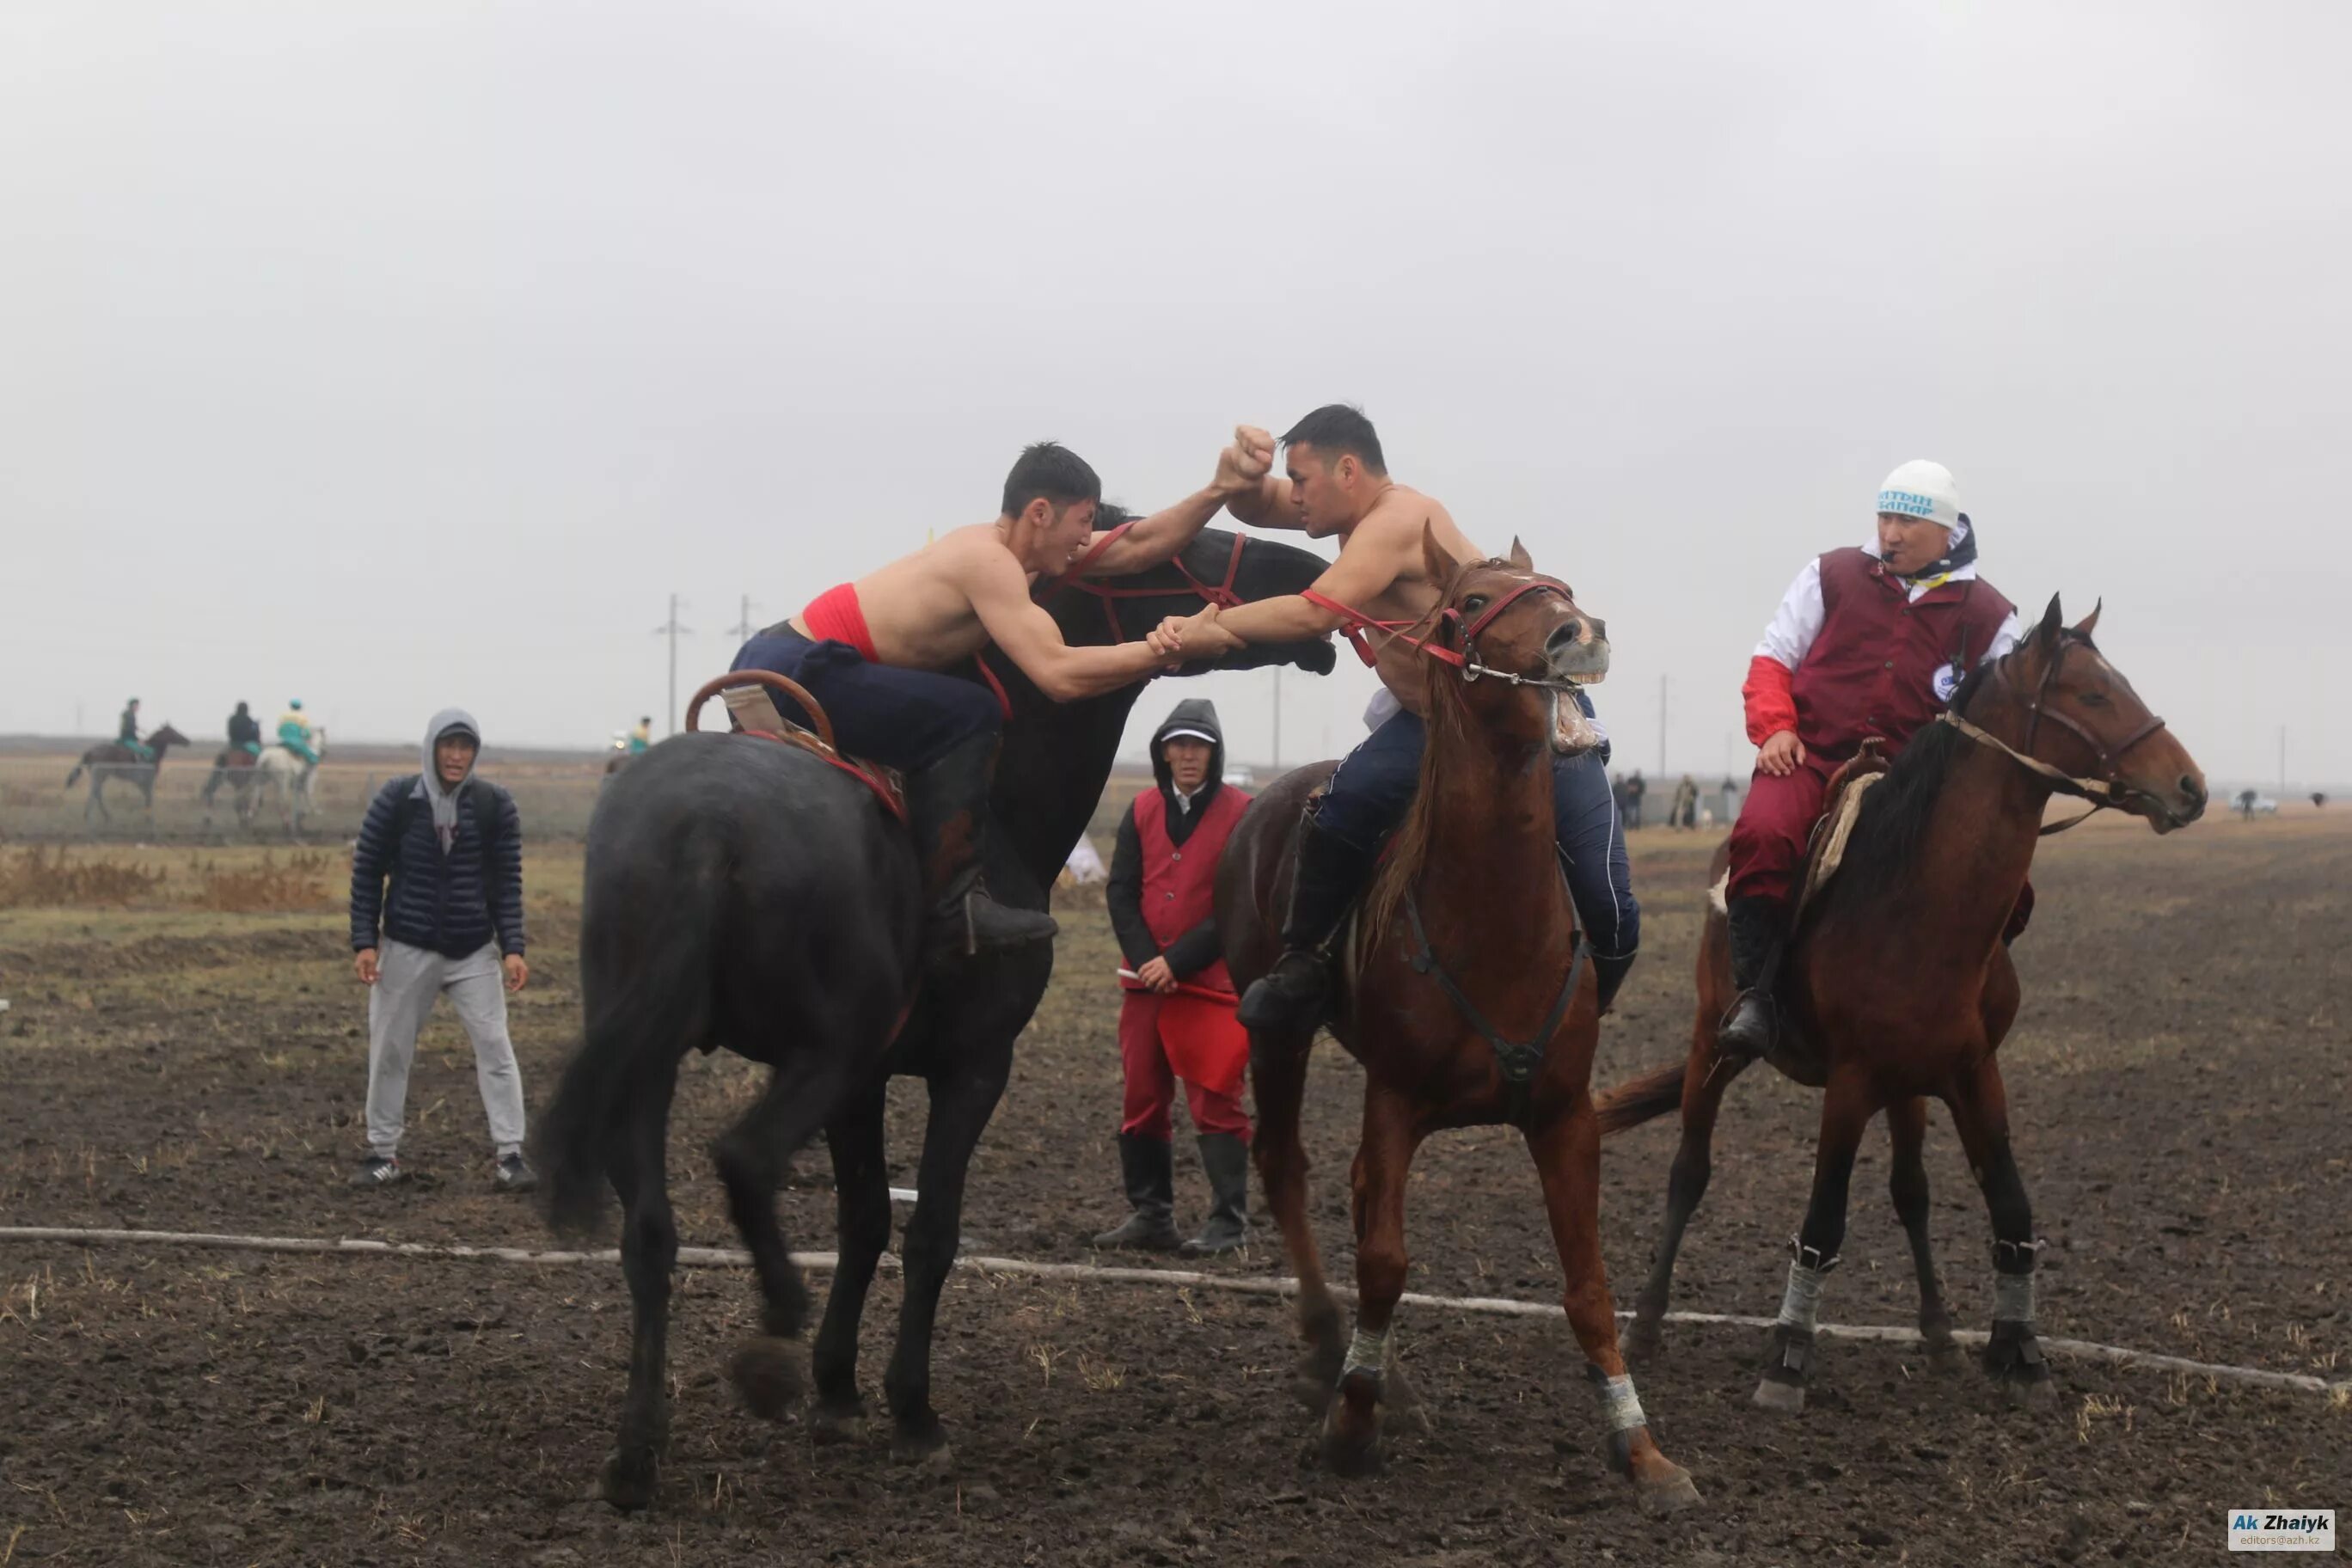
1897	984
1471	1001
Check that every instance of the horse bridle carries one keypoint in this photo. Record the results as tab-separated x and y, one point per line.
1467	633
2102	792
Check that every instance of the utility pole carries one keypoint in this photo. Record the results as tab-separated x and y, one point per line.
743	628
1662	729
2282	762
1277	718
672	630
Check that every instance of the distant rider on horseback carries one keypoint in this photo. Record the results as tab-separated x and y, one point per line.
641	739
874	652
245	731
127	733
1867	642
1338	484
294	732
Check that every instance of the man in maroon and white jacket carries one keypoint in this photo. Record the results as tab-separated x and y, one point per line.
1867	642
1178	1019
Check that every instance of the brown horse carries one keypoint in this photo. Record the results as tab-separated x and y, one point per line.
1897	984
1471	1000
114	763
240	771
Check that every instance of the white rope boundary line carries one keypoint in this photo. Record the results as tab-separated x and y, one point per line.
1493	1306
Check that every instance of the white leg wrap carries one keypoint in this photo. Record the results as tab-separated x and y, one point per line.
2012	1297
1801	1302
1368	1351
1620	1407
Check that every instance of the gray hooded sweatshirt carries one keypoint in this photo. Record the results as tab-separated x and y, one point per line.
429	788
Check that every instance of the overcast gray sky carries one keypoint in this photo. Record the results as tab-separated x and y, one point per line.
395	353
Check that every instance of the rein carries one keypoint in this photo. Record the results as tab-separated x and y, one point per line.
1467	661
1221	594
2101	792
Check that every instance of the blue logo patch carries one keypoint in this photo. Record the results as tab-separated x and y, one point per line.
1947	680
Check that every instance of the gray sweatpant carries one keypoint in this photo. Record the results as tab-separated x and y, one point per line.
409	978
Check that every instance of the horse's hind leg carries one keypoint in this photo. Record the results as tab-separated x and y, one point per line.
1278	1079
1351	1429
1703	1080
1906	1183
1566	1152
648	1252
751	1157
963	1097
2014	1355
861	1182
1846	1111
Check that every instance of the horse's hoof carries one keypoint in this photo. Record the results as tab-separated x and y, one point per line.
627	1480
1666	1494
766	1372
838	1425
1937	1340
1404	1402
1350	1457
1781	1398
925	1447
2030	1393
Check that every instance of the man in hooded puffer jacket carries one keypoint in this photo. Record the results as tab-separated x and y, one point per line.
452	846
1178	1019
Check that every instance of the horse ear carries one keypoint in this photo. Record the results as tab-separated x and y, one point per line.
2053	621
1434	558
1520	560
2089	623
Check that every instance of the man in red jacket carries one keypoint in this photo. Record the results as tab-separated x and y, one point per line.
1867	642
1178	1019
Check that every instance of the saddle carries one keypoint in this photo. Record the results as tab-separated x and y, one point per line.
1840	809
751	710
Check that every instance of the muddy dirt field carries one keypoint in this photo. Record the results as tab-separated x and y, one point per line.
2178	1079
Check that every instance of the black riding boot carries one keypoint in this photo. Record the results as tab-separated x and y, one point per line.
1331	873
1224	1159
947	807
1147	1168
1759	926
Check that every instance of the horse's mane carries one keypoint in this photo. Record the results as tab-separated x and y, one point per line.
1448	727
1894	814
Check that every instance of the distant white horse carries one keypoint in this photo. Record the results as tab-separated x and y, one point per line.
285	779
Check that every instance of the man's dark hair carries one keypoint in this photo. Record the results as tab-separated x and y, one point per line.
1050	469
1340	428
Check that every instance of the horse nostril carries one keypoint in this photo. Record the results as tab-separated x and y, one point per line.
1566	635
2191	790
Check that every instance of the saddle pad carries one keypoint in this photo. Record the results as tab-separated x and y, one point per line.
755	712
1837	827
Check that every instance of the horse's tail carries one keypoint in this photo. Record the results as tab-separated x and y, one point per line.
1639	1099
74	777
647	1019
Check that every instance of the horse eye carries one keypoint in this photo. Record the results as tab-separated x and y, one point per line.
2093	700
1475	603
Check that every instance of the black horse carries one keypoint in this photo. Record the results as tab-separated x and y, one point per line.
749	895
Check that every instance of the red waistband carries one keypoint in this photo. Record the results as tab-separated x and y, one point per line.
835	616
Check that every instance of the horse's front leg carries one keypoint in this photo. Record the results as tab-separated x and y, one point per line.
861	1185
1906	1183
1278	1079
1704	1077
1351	1429
1566	1152
1846	1111
2013	1356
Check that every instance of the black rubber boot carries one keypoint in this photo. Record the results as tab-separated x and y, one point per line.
1147	1168
947	807
1224	1158
1758	928
1612	973
1332	875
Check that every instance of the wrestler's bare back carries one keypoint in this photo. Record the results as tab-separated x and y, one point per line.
918	608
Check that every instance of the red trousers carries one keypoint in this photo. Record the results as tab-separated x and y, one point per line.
1767	842
1159	1036
1774	827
